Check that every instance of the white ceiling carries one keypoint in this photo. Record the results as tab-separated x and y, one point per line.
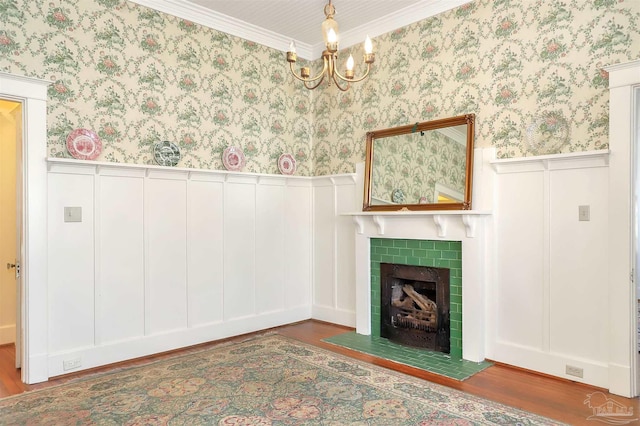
275	23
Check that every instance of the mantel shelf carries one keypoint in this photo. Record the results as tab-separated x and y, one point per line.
441	219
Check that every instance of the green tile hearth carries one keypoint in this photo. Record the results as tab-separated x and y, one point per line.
434	362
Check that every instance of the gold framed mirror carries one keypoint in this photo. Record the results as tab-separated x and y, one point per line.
422	166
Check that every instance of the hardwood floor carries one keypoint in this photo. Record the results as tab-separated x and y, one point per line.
557	399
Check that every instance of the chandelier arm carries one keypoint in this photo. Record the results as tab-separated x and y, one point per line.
338	83
353	80
319	76
323	75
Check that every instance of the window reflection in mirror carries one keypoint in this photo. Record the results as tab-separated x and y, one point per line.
426	166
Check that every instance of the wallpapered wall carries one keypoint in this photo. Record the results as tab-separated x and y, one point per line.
524	67
137	76
414	163
516	64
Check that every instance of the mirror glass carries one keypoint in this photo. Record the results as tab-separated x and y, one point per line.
425	166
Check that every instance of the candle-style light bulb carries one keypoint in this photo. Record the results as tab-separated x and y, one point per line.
350	63
368	46
332	37
292	47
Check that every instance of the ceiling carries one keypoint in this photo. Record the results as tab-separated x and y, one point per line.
274	23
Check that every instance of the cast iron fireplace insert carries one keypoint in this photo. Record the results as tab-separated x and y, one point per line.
415	306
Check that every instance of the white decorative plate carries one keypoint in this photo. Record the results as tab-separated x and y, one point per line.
84	144
233	159
287	164
547	134
166	153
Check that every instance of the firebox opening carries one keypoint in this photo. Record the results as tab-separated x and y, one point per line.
415	306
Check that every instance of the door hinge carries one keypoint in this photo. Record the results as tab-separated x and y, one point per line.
16	266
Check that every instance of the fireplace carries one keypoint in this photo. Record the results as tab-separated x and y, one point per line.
413	238
414	305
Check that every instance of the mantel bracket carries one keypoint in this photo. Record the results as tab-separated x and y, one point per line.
469	222
359	224
379	221
441	224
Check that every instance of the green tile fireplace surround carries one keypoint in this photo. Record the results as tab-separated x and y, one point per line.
440	254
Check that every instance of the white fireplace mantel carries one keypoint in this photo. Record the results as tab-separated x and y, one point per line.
467	226
441	219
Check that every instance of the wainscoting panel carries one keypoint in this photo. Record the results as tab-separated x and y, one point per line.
71	262
345	246
550	286
324	245
171	257
205	250
334	249
120	266
166	254
519	302
269	250
298	245
239	249
577	267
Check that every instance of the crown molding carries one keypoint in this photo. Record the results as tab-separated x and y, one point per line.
218	21
403	17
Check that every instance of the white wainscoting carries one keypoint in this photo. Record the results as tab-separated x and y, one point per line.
548	302
334	290
166	257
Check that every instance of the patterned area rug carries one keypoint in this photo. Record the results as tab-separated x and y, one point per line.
268	380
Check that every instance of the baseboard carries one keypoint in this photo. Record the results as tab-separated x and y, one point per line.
334	316
554	364
7	334
37	370
620	380
112	352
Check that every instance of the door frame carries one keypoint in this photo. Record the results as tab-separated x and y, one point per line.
622	298
32	92
16	114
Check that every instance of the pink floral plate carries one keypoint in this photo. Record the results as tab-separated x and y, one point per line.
287	164
233	159
84	144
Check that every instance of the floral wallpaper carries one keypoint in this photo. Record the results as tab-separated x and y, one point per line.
529	69
407	168
137	77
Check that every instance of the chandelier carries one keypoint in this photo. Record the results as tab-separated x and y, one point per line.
330	58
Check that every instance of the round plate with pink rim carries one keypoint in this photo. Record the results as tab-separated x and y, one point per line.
84	144
287	164
233	159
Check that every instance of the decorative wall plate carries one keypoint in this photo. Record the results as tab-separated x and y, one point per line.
287	164
166	153
233	159
397	196
84	144
547	134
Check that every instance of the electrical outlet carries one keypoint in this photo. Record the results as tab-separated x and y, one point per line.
70	364
574	371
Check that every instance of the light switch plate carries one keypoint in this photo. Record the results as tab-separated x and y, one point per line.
584	213
73	214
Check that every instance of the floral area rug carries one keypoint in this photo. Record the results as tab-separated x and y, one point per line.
268	380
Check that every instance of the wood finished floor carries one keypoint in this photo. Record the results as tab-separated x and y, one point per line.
557	399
